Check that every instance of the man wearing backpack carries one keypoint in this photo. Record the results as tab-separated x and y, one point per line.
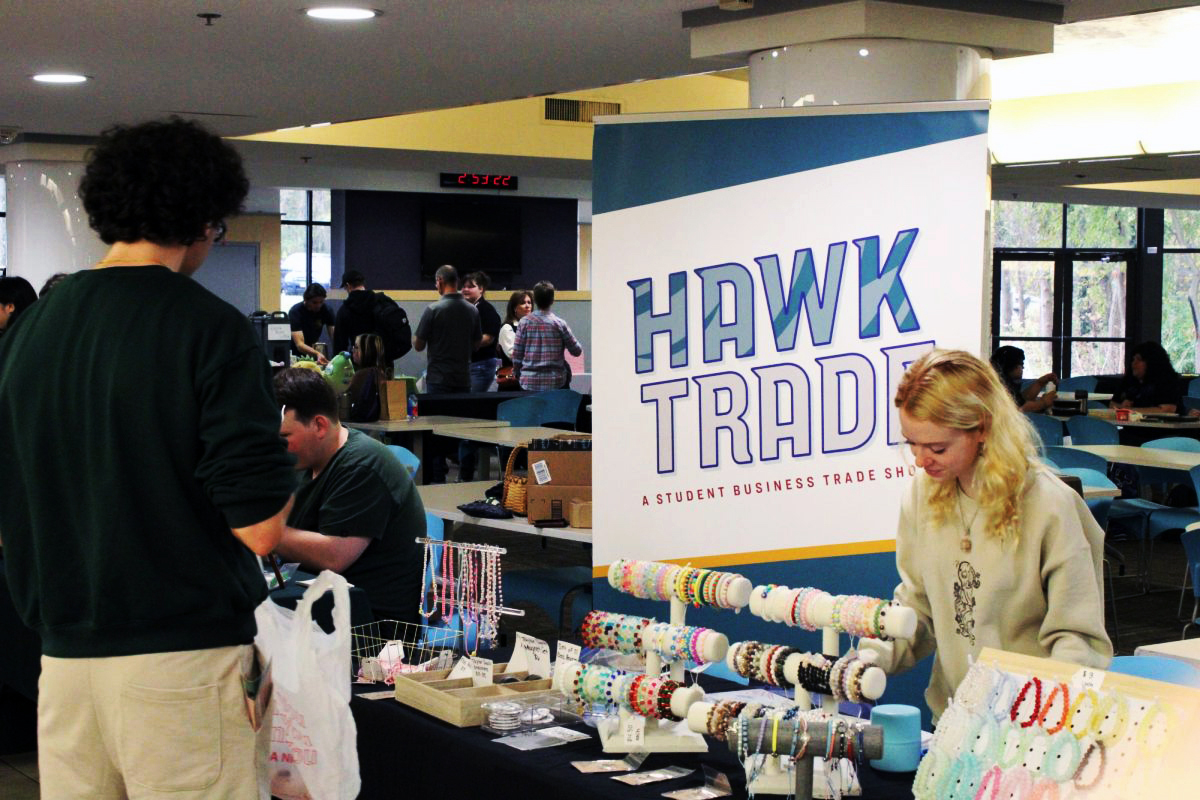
370	312
357	314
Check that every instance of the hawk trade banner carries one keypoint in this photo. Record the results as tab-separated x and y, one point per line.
761	281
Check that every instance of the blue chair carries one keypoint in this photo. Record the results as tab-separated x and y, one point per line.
553	590
1070	458
1049	428
1191	550
1193	388
1090	430
444	631
1157	668
522	412
1084	383
561	407
406	457
1159	475
1191	403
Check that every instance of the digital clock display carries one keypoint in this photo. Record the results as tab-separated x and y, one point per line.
477	180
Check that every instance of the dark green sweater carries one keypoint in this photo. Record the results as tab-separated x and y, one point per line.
137	426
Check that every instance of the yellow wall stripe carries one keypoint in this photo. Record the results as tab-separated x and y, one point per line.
770	556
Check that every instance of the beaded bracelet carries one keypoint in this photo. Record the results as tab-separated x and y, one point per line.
1096	746
1104	710
929	774
1016	782
1066	707
1076	706
990	780
1046	789
1036	684
1053	765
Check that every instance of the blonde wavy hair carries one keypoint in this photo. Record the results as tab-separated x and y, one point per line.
954	389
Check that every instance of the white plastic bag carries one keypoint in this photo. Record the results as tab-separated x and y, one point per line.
314	753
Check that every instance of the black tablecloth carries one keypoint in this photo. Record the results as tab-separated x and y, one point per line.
405	753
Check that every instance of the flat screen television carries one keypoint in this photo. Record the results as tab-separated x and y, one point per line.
471	235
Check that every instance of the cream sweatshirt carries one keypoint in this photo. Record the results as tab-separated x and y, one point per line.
1042	596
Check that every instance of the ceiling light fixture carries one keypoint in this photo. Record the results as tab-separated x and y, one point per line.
341	13
864	52
59	77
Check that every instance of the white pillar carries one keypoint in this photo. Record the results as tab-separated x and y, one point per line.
47	227
856	71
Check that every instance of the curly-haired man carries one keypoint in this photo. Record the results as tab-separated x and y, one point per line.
138	407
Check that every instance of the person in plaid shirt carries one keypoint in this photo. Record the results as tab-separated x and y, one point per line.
541	339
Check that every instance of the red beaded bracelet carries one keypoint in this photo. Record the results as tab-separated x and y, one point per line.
1036	683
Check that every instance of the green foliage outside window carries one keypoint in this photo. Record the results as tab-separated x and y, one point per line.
1181	289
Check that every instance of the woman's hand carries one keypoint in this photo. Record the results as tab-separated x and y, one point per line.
1047	378
1048	400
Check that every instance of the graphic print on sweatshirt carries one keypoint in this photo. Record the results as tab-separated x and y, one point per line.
964	600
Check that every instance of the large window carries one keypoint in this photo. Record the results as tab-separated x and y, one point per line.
1181	288
305	249
1059	284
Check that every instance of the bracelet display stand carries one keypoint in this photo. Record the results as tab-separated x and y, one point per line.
670	736
815	740
779	604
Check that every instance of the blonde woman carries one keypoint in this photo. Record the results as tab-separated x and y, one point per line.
993	550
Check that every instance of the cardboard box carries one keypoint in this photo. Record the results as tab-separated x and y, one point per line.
580	515
393	400
570	467
553	501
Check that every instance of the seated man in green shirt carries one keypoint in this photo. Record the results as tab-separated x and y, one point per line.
357	511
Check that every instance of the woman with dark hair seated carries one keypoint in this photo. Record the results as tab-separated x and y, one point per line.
16	295
1009	363
1151	384
371	369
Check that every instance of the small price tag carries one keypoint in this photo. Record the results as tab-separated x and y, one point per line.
567	651
633	730
461	670
530	655
481	671
1088	678
541	472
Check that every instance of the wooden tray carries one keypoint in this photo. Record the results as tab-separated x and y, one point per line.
458	701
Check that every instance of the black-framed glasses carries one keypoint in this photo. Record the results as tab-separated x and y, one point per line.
218	228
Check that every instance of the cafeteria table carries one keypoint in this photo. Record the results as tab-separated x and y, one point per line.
1142	456
413	432
443	499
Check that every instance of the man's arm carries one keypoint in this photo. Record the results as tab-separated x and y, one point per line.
298	340
262	537
319	551
418	343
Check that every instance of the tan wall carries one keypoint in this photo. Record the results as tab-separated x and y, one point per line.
262	229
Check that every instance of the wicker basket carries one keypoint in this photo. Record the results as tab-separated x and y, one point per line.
515	498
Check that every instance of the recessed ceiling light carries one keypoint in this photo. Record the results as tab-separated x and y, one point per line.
864	52
59	77
341	13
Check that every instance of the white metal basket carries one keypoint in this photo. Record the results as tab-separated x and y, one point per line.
385	648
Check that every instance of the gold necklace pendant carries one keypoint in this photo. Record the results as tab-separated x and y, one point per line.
965	543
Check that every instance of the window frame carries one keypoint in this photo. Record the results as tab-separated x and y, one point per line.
1064	258
308	223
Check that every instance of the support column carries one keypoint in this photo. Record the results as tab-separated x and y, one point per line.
871	51
47	227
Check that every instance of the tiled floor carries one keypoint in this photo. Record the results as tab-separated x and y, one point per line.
18	776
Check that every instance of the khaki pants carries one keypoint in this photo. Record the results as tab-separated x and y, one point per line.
149	726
